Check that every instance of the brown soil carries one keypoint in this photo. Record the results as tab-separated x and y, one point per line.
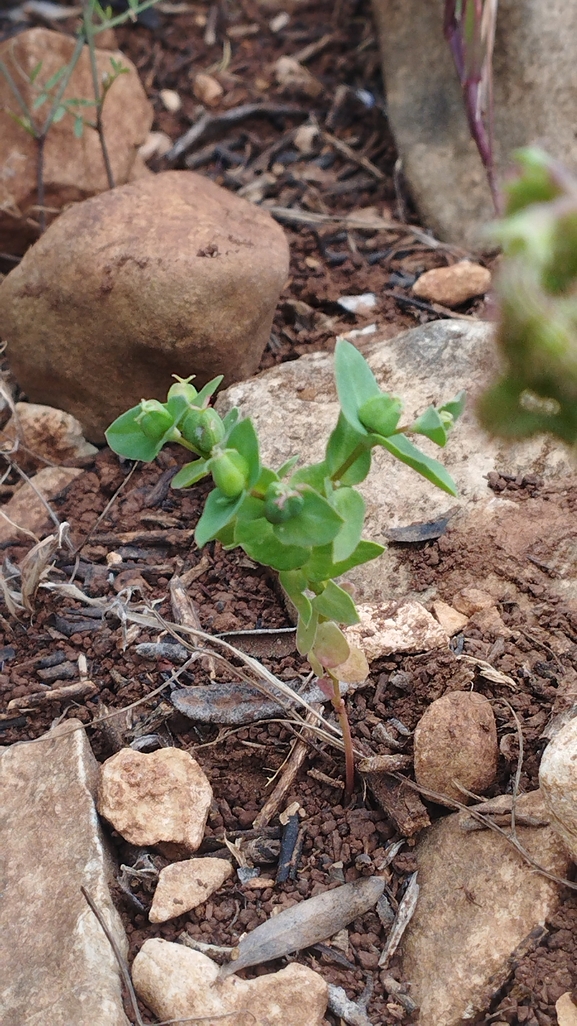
341	842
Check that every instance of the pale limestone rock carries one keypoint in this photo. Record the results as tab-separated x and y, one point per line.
184	885
42	433
294	407
566	1010
96	317
296	80
534	102
25	513
207	89
558	781
383	630
453	285
73	168
478	901
58	968
160	799
177	982
472	600
450	619
456	743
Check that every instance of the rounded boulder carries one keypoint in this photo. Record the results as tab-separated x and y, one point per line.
456	743
167	275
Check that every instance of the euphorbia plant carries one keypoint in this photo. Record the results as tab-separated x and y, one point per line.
305	523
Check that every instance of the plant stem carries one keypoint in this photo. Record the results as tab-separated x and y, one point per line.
340	709
87	18
357	451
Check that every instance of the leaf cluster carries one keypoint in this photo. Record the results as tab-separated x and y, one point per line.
537	293
305	523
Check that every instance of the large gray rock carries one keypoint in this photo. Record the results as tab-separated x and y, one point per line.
478	901
169	275
294	407
73	168
534	95
58	968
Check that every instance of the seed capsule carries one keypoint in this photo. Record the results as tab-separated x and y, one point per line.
281	503
230	472
204	429
154	419
380	414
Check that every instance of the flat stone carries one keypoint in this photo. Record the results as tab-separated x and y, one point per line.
97	317
558	781
25	513
450	619
534	100
456	743
73	168
184	885
478	902
453	285
177	982
472	600
58	968
383	630
41	433
566	1010
161	799
294	408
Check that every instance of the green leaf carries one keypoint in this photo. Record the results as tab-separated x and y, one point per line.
208	390
320	566
431	425
258	541
218	512
314	475
24	123
317	523
35	72
59	114
295	584
455	406
330	647
306	634
341	444
355	382
226	536
336	604
287	467
380	414
406	452
190	474
350	505
40	100
266	478
125	437
243	438
230	418
78	127
54	79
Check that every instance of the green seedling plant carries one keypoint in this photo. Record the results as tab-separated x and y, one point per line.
536	290
304	522
50	94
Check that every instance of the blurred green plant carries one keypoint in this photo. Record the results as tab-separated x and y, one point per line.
305	523
95	19
536	289
470	31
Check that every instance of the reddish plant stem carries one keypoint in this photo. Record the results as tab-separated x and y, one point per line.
340	709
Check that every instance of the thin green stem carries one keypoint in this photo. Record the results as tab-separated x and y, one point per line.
357	451
18	97
63	84
120	19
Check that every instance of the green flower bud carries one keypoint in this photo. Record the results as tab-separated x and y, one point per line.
180	395
281	503
380	414
203	428
230	472
155	420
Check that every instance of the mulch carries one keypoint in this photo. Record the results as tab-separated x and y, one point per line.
132	541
